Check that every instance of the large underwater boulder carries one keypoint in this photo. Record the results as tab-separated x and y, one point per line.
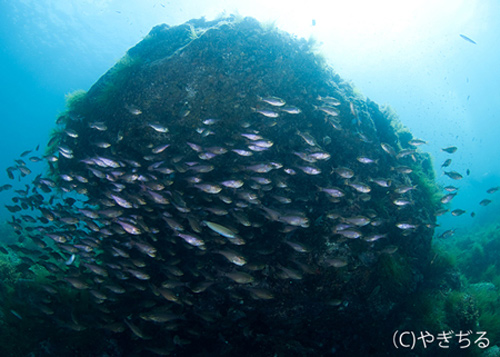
240	196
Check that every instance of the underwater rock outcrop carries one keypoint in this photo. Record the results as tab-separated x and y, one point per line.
224	190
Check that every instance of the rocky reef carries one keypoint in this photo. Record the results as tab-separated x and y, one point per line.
222	190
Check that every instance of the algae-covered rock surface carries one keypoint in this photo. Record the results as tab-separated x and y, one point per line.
222	191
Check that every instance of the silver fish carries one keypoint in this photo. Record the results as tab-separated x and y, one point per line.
274	101
220	229
405	225
291	110
192	239
233	257
334	192
332	111
208	188
232	183
158	127
267	113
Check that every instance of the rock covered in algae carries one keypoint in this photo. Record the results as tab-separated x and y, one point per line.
239	192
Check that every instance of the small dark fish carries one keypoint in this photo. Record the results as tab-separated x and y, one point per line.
5	187
453	175
473	214
446	199
9	172
457	212
485	202
450	149
16	314
467	172
493	189
446	163
447	234
468	39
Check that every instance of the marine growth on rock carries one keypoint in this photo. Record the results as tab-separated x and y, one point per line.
221	187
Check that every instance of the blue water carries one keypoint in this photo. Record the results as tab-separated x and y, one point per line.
445	90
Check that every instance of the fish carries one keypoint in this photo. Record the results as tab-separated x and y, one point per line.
485	202
260	168
493	189
447	198
308	138
239	277
136	330
251	136
192	239
335	262
450	149
77	283
160	148
210	121
298	247
220	229
333	191
319	155
310	170
329	101
417	142
242	152
350	233
453	175
291	110
209	188
388	149
400	190
298	221
100	126
366	160
402	202
16	314
468	39
71	133
232	183
382	182
158	127
274	101
260	294
360	187
359	221
232	256
331	111
132	109
129	227
457	212
446	163
70	260
344	172
374	237
267	113
447	234
406	225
